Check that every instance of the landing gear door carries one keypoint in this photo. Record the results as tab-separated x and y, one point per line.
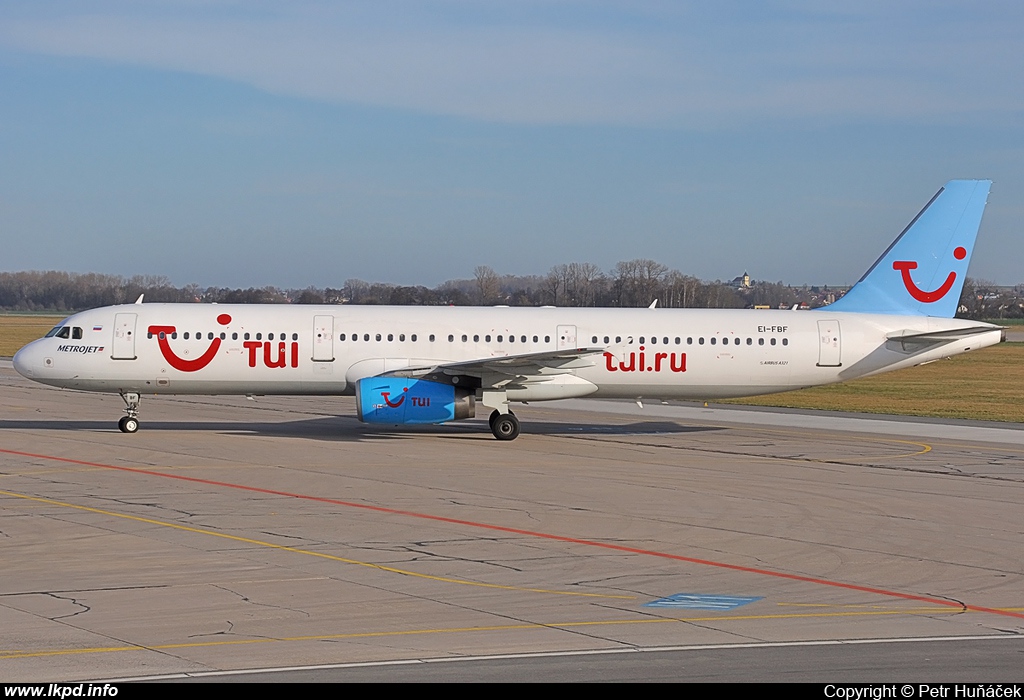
829	344
566	337
123	347
323	339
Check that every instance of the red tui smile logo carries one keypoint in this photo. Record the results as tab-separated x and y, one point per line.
905	266
163	334
386	394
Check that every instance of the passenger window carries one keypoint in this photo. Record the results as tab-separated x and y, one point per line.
341	337
476	339
401	337
245	337
431	338
535	339
413	337
714	340
511	339
523	339
185	335
785	341
500	337
162	336
451	338
606	340
259	336
700	340
295	336
773	341
665	340
465	338
391	337
750	341
174	336
654	340
689	341
760	341
223	336
366	337
270	336
618	339
378	337
641	340
234	336
487	338
547	339
209	336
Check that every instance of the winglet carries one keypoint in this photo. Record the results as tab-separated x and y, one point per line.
922	272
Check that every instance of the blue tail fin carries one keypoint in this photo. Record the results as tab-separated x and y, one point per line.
922	272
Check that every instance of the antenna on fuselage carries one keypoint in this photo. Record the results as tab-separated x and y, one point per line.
139	300
653	304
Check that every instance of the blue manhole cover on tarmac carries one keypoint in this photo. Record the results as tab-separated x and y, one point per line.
697	601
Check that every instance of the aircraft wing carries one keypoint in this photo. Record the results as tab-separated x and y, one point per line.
496	370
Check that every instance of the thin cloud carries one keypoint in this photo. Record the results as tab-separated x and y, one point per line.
569	63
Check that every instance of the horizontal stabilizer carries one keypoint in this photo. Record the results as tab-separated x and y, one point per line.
916	341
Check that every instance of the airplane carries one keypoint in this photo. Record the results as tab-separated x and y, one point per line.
426	365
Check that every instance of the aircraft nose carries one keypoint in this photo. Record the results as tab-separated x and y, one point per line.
26	361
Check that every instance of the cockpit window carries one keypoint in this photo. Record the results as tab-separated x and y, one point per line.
53	332
64	332
76	333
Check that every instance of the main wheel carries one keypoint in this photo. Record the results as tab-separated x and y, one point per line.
505	426
128	424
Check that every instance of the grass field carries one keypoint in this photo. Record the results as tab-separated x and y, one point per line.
17	330
983	385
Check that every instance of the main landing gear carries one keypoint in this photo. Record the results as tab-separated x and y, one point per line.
505	426
130	422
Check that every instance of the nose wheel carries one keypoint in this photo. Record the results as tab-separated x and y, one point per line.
504	426
130	422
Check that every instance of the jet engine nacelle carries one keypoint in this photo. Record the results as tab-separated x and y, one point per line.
398	401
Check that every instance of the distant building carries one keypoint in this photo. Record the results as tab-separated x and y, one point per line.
741	282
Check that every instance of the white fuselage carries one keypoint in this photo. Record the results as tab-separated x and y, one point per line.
650	353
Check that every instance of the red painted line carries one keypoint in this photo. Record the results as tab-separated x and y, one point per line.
534	533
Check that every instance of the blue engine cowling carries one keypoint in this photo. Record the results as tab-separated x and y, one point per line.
399	401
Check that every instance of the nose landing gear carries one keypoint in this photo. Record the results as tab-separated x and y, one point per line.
130	422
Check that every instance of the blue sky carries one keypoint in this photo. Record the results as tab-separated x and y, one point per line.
305	143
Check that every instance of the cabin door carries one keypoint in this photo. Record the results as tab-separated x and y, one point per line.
323	339
123	347
829	344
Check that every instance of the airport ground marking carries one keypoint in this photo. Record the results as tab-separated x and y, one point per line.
925	447
321	555
25	654
544	535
